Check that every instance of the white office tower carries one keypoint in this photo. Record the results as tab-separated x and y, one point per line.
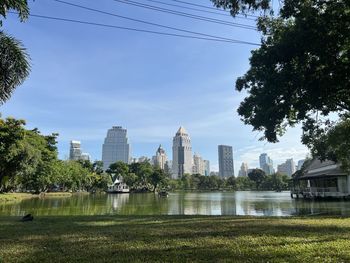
244	170
198	164
116	147
182	154
75	150
160	158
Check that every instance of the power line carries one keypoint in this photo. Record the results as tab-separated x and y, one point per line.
134	29
200	10
208	7
183	14
146	22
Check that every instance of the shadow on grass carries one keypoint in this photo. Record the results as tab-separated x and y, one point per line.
173	239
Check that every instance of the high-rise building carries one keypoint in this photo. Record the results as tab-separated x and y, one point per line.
198	165
287	168
206	164
182	154
226	168
85	157
244	170
266	164
75	150
115	147
160	158
300	164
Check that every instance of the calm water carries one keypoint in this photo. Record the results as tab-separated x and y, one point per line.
179	203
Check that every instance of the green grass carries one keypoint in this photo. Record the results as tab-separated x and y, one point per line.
14	197
174	239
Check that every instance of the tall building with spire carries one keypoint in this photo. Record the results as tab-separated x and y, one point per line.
182	154
160	158
116	147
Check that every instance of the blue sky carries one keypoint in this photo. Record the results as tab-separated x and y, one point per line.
86	79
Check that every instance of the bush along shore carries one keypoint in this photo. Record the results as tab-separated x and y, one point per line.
174	239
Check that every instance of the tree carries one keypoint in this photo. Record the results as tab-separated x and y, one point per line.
257	176
118	169
334	144
300	74
157	177
231	182
14	61
244	183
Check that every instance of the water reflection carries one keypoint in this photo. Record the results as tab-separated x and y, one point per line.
179	203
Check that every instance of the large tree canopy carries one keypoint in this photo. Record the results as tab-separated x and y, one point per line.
301	72
14	61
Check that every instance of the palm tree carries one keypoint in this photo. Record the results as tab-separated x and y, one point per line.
14	65
14	61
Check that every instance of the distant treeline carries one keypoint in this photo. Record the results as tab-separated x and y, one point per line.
256	180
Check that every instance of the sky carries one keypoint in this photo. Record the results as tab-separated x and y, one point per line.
85	79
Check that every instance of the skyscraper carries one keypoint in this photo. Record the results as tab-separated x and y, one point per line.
182	154
198	164
115	147
287	168
160	158
226	168
75	150
206	167
244	170
266	164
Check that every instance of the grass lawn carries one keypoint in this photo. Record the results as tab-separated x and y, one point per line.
174	239
15	197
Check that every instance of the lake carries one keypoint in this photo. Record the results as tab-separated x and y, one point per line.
266	203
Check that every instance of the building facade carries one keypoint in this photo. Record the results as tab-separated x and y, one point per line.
116	147
287	168
244	170
160	159
182	154
226	168
206	167
266	164
198	164
75	150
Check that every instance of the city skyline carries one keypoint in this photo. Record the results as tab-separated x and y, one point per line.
116	83
251	165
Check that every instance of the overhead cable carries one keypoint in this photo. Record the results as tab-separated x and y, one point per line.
135	29
200	10
183	14
145	22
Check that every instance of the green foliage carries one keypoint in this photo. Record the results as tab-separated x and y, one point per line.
158	177
28	161
20	6
244	183
140	176
276	182
257	176
300	74
334	144
14	61
242	6
118	169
